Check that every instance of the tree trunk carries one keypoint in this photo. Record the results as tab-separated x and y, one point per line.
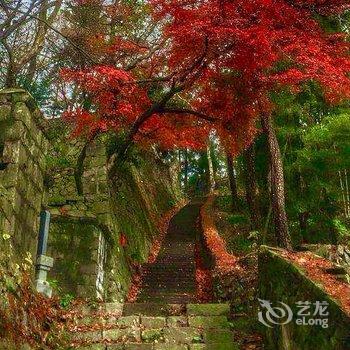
277	185
186	169
232	180
211	170
251	188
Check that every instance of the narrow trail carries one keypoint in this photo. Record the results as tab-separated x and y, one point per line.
171	279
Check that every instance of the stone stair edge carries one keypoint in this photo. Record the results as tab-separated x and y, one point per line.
117	309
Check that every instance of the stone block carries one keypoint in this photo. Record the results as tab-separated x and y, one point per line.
5	112
208	321
15	132
218	346
11	154
122	335
218	336
135	346
128	321
177	321
208	309
198	347
93	347
183	335
154	309
22	113
167	346
153	322
93	336
152	335
115	347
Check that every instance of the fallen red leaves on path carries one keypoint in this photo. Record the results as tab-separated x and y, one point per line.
204	278
224	261
316	269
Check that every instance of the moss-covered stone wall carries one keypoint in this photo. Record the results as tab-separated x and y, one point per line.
22	167
130	205
282	281
101	227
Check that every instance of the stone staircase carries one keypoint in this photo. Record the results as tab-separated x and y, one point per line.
171	278
152	326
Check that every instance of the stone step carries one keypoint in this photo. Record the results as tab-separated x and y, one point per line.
168	309
166	299
154	309
167	287
160	346
170	277
171	272
168	335
213	309
173	269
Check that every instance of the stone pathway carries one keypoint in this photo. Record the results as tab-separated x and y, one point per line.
165	316
153	326
171	279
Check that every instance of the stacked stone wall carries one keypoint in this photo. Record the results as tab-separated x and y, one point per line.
24	148
97	233
130	206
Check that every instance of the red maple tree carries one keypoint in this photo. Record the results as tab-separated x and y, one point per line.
215	64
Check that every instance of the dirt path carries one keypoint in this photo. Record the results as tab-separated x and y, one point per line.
171	279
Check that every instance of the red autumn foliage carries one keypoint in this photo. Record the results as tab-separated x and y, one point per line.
123	240
316	269
30	317
222	59
254	47
204	280
224	261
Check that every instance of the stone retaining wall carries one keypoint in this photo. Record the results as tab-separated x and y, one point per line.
22	168
99	232
282	281
116	223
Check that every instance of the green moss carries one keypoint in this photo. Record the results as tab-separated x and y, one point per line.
280	280
72	245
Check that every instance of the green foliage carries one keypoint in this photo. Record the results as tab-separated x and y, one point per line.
315	144
224	203
66	300
238	219
336	23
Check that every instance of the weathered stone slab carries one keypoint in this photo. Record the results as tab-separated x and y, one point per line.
115	347
208	309
208	321
153	322
291	287
183	335
135	346
177	321
93	336
153	335
212	336
218	346
167	346
122	334
154	309
93	347
128	321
